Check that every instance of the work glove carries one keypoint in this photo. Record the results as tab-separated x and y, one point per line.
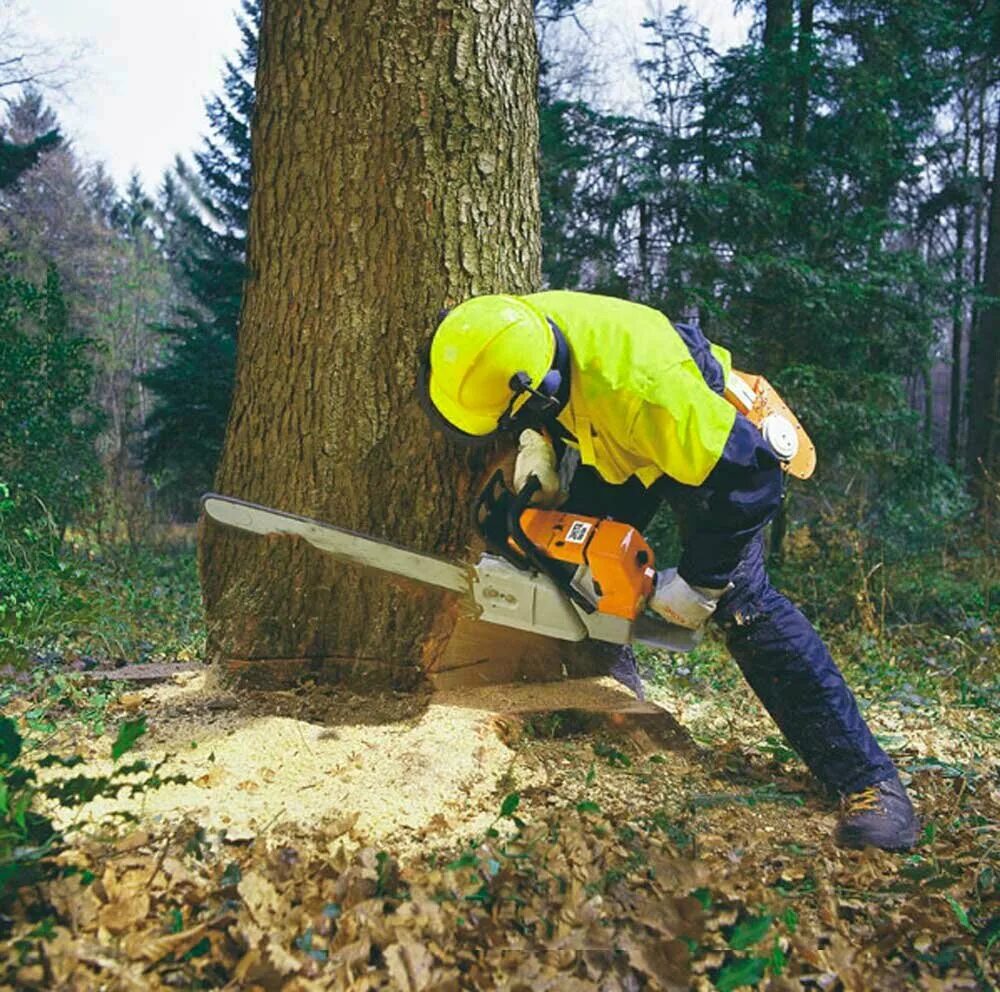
536	457
681	604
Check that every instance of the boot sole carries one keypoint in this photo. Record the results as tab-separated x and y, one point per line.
846	838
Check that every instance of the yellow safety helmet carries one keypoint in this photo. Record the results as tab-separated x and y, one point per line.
488	355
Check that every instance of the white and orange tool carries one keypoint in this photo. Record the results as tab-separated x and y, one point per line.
558	574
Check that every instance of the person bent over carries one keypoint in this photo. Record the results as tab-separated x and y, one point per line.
616	410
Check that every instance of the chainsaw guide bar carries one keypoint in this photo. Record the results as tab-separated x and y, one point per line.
495	589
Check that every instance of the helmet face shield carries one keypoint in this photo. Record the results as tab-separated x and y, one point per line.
479	354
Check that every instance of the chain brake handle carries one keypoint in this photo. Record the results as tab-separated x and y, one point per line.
489	515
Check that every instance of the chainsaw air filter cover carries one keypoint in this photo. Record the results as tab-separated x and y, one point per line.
618	558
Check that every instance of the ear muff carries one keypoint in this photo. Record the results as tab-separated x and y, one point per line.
549	386
547	398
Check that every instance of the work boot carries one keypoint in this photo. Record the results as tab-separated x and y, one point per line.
881	815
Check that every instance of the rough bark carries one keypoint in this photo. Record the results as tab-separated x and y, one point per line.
394	170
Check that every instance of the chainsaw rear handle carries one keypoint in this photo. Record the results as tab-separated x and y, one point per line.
527	547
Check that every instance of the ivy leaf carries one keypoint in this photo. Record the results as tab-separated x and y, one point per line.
742	971
467	860
960	914
704	896
510	804
128	733
746	933
10	740
778	959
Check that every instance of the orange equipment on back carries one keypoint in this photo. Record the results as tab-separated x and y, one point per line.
620	560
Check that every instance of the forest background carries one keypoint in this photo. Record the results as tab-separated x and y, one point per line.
822	198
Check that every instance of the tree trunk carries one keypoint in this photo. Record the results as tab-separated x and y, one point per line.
775	102
803	74
957	378
394	171
984	357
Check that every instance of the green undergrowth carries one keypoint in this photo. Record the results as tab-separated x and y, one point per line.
915	630
84	605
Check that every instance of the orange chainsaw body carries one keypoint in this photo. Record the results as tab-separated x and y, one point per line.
617	555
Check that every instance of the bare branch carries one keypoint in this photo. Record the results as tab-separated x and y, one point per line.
26	60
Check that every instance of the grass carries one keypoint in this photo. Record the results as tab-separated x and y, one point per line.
114	605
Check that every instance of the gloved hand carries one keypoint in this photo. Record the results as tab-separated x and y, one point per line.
536	457
677	602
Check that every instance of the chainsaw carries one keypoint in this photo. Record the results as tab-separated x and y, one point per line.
563	575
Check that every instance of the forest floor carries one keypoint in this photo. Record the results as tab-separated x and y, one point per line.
289	842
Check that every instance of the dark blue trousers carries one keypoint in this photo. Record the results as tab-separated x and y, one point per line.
790	669
779	653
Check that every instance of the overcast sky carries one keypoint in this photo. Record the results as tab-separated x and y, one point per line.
148	67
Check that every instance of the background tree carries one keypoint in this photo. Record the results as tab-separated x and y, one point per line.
204	215
48	216
114	283
135	292
47	423
27	61
351	255
984	364
17	159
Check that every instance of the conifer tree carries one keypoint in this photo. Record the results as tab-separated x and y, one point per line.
51	219
17	159
204	211
47	423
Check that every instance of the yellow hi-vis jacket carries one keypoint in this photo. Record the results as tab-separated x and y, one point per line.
638	404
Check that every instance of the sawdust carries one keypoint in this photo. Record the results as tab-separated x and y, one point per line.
393	769
379	769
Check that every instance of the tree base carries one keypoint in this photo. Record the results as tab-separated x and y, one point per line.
476	654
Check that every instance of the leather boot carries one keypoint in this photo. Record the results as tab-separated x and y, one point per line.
881	815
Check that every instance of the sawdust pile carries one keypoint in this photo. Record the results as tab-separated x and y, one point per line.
255	767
